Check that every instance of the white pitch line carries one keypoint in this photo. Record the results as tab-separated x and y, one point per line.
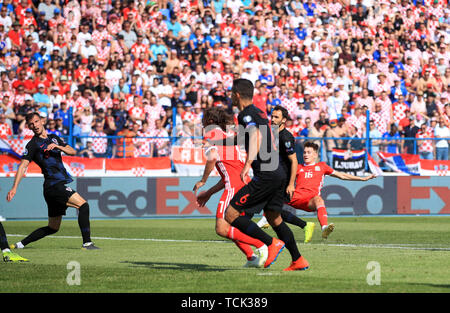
379	246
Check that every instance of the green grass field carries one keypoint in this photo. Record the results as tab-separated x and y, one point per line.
186	256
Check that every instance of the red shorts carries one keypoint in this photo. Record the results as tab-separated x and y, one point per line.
224	201
301	201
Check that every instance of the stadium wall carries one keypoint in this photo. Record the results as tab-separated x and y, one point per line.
135	197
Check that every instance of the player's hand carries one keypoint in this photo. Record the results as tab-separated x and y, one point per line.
244	173
51	147
197	186
202	198
371	176
290	191
11	194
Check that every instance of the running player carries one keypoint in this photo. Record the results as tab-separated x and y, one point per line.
229	162
310	182
8	255
45	149
288	159
267	185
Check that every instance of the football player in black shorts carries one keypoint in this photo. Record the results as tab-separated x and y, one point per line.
45	149
288	159
268	183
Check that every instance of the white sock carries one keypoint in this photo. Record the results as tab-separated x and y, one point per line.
6	250
262	221
19	245
324	226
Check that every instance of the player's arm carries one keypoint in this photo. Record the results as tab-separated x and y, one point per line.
294	166
211	155
345	176
204	196
19	174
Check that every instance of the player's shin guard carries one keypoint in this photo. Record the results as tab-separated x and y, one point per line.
285	234
322	216
83	222
250	228
3	240
290	218
38	234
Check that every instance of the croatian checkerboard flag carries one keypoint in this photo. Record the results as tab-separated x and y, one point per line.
6	147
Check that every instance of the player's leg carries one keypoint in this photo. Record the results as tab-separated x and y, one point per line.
78	202
301	203
317	204
8	255
54	223
242	241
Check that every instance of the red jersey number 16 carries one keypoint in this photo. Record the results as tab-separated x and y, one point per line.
308	174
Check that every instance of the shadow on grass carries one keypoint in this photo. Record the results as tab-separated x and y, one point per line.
178	266
431	285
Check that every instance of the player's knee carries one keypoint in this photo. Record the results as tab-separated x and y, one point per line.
221	231
84	208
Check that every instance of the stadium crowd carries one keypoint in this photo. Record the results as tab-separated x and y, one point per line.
137	68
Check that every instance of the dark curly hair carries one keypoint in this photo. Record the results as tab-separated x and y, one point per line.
217	116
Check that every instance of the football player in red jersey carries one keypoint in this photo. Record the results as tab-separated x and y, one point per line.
309	183
229	162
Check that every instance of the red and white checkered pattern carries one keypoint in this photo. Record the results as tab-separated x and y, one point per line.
99	144
425	145
5	131
18	145
138	171
77	169
399	111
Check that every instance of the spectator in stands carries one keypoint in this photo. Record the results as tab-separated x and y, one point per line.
442	131
391	140
426	147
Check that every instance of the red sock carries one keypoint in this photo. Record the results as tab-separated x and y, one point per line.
236	234
322	216
247	249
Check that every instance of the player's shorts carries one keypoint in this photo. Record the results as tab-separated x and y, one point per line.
224	201
57	197
264	192
300	201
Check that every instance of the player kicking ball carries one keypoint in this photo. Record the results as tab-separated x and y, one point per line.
229	162
45	149
309	184
8	255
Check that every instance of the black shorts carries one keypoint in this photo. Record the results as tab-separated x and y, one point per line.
263	192
57	197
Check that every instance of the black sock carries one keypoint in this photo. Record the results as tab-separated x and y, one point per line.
290	218
3	240
38	234
83	222
250	228
285	233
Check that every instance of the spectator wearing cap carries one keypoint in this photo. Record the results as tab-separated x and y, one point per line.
41	57
266	78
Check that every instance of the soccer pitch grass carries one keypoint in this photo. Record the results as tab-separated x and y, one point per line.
186	256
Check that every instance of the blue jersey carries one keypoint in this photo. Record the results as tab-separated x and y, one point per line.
50	162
